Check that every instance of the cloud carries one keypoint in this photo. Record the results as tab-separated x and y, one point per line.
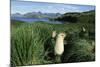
50	7
21	6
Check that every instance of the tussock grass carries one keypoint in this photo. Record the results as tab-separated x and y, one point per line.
28	39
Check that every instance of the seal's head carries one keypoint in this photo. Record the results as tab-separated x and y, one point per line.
62	35
54	34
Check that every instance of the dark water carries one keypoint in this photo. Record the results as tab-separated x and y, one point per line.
30	20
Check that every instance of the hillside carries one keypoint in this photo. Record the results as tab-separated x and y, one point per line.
30	41
82	17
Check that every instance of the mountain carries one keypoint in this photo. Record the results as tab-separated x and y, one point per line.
41	15
37	15
16	15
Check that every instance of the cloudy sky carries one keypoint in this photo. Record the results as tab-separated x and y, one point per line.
24	7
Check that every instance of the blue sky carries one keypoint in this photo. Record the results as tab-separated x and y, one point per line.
24	7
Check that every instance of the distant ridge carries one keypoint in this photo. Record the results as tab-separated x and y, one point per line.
82	17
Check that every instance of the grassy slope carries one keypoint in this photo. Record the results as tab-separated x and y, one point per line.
84	17
27	43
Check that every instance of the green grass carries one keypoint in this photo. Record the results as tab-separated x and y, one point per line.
28	39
